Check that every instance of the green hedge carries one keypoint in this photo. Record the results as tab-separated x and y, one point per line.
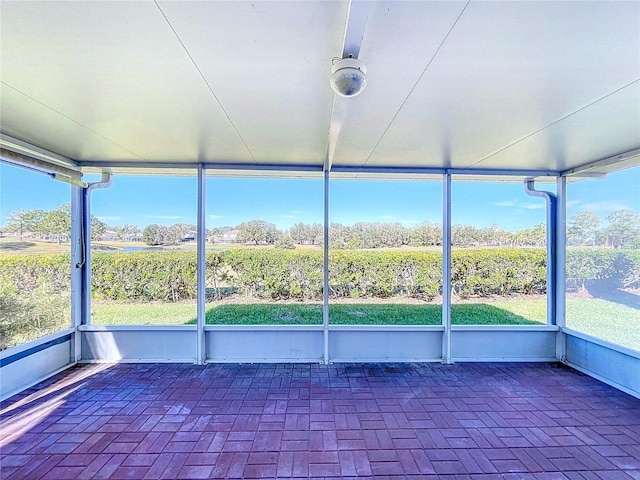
170	276
498	271
620	267
35	297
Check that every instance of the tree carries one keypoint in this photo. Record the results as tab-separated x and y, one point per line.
624	227
57	222
427	234
217	232
338	235
465	236
302	233
583	228
23	221
126	232
153	234
97	228
257	231
534	237
285	242
390	235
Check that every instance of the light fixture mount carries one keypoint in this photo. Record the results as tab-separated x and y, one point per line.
348	76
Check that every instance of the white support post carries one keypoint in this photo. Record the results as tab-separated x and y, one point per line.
77	262
561	255
86	265
325	267
201	264
446	268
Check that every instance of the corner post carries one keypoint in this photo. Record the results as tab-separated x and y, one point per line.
561	265
77	271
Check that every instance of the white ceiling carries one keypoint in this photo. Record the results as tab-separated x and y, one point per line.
526	86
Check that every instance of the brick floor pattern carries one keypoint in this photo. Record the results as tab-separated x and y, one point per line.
302	421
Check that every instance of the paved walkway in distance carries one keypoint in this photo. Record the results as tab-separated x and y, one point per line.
375	421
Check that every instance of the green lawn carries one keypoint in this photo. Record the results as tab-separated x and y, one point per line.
607	320
610	321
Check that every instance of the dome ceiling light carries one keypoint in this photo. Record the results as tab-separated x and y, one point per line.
348	76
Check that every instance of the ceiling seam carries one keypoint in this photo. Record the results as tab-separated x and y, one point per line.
184	47
417	82
72	120
552	123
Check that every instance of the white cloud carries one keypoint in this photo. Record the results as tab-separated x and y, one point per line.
573	203
604	206
532	206
506	203
213	216
517	204
387	217
163	217
287	216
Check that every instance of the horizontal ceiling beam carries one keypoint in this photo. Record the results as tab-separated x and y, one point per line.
582	170
442	171
104	164
26	155
25	161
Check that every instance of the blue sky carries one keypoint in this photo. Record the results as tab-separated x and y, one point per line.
167	200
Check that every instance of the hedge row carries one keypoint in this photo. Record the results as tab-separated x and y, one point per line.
170	276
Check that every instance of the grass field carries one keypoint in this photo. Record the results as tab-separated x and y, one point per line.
13	244
610	321
31	245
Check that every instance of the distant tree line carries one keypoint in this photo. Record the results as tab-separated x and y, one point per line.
369	235
619	229
172	235
52	224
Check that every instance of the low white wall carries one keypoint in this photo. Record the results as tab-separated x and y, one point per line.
252	344
385	343
30	363
612	364
124	343
471	343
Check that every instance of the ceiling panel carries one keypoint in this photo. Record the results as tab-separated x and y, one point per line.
23	117
399	41
269	64
526	85
507	70
116	69
587	135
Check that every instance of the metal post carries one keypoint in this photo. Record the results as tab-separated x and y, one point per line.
86	264
201	263
561	255
77	263
325	266
446	268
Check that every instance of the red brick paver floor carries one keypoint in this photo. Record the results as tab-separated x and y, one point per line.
382	421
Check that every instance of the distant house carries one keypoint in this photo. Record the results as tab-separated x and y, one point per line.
112	236
133	237
189	236
230	236
109	236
